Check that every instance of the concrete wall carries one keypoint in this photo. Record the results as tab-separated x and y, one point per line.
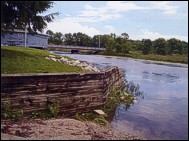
75	92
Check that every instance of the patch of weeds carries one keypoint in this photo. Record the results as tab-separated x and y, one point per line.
51	111
7	112
90	116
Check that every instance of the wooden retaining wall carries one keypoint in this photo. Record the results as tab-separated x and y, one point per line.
74	92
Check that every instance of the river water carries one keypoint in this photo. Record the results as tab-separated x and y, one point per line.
163	113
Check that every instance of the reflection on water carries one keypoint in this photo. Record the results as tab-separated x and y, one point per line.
163	113
168	78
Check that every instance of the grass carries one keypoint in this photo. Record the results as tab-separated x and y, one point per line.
175	58
168	58
29	60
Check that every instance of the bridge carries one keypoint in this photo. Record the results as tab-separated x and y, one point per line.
75	49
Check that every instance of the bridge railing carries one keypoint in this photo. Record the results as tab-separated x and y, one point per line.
75	47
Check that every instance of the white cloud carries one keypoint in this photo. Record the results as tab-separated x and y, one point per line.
121	6
110	28
146	34
112	10
164	6
68	26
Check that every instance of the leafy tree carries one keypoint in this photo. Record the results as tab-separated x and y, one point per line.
19	14
68	39
125	45
51	34
58	38
109	45
160	45
118	42
137	45
185	47
174	46
147	46
95	41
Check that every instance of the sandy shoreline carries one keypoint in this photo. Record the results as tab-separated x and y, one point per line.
60	129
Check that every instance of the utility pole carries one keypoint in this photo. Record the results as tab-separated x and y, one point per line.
99	41
25	36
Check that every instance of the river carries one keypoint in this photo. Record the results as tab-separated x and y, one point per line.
163	113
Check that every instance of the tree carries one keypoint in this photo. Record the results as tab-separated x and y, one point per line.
118	42
185	47
58	38
147	46
160	45
68	39
125	44
109	45
19	14
50	39
174	46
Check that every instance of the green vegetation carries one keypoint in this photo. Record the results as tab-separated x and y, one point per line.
7	112
114	99
30	60
51	111
174	58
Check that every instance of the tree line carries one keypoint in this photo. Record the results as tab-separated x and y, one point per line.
120	43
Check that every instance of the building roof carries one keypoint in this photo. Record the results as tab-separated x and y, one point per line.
22	31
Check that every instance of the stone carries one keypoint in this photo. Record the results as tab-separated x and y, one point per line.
54	59
51	56
122	97
100	112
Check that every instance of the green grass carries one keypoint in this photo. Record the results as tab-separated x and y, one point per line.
29	60
168	58
175	58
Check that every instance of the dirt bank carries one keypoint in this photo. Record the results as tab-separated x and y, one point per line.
59	129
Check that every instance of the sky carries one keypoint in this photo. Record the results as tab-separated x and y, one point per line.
139	19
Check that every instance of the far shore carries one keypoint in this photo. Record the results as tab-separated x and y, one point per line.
151	61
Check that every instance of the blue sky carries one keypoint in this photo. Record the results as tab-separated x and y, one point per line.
140	19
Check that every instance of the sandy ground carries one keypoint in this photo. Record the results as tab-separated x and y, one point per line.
59	129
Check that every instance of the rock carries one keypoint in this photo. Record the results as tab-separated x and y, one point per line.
51	56
84	64
51	52
95	69
122	97
126	94
54	59
47	58
100	112
88	68
64	59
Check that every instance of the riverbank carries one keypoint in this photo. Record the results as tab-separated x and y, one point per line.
60	129
175	58
149	61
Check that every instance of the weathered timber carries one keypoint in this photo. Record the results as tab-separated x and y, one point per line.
73	92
